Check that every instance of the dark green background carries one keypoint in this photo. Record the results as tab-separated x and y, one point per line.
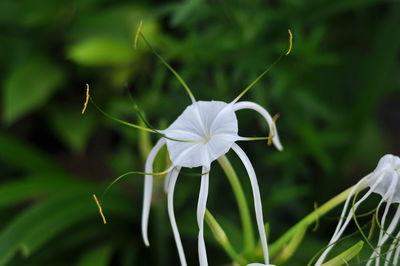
337	93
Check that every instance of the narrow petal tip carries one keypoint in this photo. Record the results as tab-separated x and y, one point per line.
145	239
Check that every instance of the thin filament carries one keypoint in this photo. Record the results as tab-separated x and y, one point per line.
267	70
342	225
383	235
144	120
180	79
135	173
119	120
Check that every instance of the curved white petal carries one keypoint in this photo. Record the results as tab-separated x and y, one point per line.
257	198
347	202
389	166
383	236
343	225
258	108
201	210
394	247
148	188
171	186
389	231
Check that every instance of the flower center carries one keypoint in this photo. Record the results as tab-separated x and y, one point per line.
206	131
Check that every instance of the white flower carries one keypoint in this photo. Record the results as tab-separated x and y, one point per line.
384	180
206	130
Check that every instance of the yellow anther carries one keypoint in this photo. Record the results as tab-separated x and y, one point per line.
100	209
137	34
290	42
87	99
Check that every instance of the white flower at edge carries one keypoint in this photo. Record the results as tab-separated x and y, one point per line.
206	130
384	180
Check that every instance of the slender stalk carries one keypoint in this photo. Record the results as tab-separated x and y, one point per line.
222	239
310	219
248	233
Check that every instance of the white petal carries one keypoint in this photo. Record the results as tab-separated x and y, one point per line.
346	204
383	236
257	199
389	231
209	129
343	225
258	108
148	188
392	249
389	166
172	181
397	254
201	210
186	154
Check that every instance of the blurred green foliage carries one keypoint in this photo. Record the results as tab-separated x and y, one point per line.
337	94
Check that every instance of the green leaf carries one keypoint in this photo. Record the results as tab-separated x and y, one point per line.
29	85
101	51
100	256
22	189
346	256
34	160
36	226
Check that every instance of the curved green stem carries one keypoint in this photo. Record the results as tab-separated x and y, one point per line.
222	239
310	219
248	234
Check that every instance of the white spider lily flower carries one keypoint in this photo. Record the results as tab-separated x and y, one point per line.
384	180
206	130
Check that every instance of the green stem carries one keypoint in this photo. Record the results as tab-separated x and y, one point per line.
310	219
248	234
222	239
